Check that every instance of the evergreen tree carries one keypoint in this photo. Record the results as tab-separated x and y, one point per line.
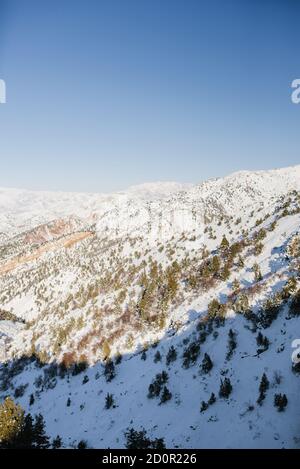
171	355
263	387
212	399
258	248
225	388
224	244
264	384
262	341
79	368
85	379
19	431
215	265
289	288
207	364
157	357
26	436
257	272
31	399
231	343
109	371
82	444
157	384
280	401
225	272
215	309
235	286
190	354
166	395
241	304
162	377
56	443
41	440
295	305
154	389
11	422
109	401
139	440
204	406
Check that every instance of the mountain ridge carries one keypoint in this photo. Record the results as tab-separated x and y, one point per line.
98	300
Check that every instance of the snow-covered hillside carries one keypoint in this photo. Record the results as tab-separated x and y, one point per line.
153	296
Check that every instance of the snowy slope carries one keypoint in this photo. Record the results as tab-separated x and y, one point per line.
97	276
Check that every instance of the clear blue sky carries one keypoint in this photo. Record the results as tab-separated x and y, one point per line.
102	94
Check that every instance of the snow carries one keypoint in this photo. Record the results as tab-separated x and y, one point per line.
129	227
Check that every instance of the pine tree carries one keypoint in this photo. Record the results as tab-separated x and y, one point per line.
82	444
295	304
109	371
263	387
31	399
204	406
109	401
212	399
190	354
154	390
139	440
264	384
11	422
163	377
166	395
56	443
157	357
262	341
231	343
225	272
259	339
171	355
215	264
85	379
224	244
258	248
215	308
289	288
235	286
225	388
41	440
26	436
280	401
257	272
207	364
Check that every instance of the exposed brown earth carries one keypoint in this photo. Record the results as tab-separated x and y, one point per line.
66	242
50	231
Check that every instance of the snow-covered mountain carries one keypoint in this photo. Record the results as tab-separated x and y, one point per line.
21	210
198	281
